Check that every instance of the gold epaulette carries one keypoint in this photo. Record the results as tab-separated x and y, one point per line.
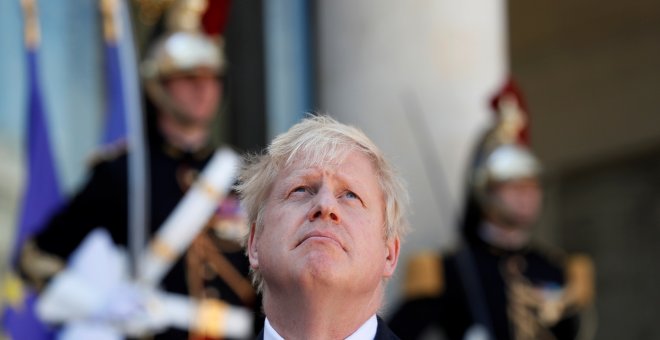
580	280
424	276
108	153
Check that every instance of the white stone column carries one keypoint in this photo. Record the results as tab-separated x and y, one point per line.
382	63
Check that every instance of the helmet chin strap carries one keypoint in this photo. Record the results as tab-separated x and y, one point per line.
499	214
510	239
164	102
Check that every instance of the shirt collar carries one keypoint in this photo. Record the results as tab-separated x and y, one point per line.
270	333
366	332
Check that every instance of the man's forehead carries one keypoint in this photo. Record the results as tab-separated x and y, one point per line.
341	166
300	170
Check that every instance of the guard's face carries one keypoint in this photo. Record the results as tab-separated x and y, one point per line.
324	227
519	200
198	95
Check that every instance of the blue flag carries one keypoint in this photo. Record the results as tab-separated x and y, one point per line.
41	198
42	193
115	111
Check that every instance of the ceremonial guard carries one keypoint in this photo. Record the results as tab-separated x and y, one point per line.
498	284
194	281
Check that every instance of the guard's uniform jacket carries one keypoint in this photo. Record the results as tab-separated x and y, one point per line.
103	202
518	293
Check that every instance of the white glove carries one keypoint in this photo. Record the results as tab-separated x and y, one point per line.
96	267
95	298
134	310
95	288
128	311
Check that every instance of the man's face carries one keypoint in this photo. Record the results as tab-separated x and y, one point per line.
198	95
519	201
324	227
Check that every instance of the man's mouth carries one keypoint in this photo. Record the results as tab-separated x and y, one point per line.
321	236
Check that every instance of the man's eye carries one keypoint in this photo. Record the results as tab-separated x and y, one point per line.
298	192
351	195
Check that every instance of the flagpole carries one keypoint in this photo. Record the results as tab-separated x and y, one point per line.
138	167
118	34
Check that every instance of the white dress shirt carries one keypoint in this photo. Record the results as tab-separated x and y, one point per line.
366	332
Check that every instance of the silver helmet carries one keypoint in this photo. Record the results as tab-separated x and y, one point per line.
503	154
184	50
181	53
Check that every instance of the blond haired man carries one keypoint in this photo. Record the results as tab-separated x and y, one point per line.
327	212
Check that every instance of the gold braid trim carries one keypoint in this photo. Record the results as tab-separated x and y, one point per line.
211	315
208	189
227	272
163	250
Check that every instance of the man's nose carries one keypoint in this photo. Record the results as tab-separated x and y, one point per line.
325	207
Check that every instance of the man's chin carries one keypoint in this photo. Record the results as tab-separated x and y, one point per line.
320	261
316	275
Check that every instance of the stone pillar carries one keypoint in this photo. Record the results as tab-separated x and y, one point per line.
416	76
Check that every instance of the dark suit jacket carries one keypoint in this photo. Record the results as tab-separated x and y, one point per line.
382	332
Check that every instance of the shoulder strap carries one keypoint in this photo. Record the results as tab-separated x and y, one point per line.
467	271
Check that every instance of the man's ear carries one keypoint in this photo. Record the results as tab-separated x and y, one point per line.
253	254
392	247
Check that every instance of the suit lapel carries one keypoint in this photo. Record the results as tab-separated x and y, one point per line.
383	332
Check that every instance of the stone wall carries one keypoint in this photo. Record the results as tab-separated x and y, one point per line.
591	73
612	212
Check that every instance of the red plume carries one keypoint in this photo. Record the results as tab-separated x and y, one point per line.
214	20
511	90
